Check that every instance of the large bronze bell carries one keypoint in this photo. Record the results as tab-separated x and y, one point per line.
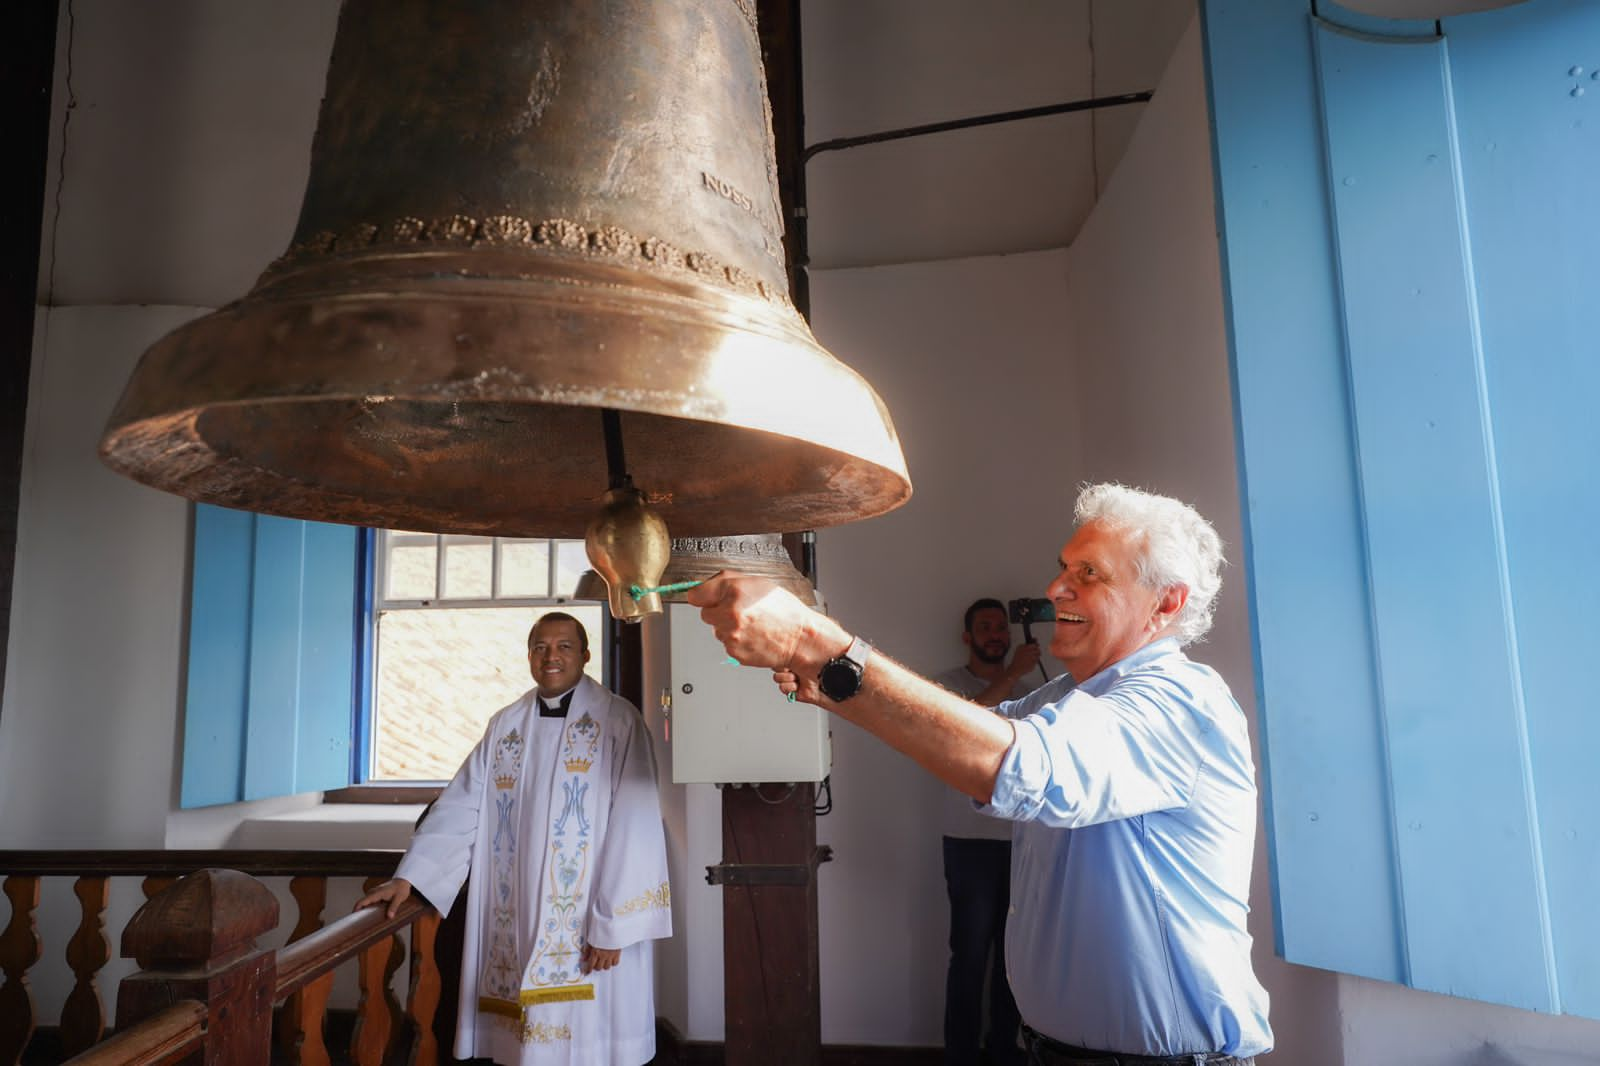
521	213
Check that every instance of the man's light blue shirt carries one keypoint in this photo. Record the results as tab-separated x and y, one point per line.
1135	802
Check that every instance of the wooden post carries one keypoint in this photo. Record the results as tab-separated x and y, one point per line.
771	995
197	940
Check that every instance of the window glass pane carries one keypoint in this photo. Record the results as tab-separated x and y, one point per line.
468	568
412	564
524	568
571	562
442	674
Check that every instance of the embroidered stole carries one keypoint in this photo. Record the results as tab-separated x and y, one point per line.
553	973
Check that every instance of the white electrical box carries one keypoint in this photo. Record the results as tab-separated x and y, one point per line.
728	723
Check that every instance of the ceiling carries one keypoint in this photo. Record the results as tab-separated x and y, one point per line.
875	65
203	110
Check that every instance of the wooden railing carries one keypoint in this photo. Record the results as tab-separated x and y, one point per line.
191	933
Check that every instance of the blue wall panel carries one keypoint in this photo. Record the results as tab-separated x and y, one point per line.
1447	670
328	655
1530	151
1327	799
218	681
273	712
274	630
1409	228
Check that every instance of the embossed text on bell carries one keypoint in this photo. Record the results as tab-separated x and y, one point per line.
520	213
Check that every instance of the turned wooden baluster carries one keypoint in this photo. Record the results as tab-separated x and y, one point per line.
311	1005
83	1017
423	998
19	950
299	1030
378	1014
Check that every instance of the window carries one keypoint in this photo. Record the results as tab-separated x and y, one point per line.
450	622
321	655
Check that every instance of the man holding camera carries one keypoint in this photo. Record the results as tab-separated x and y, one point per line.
977	857
1133	789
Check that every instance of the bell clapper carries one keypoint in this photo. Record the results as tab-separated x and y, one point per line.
627	541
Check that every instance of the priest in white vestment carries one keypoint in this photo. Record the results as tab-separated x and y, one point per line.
555	814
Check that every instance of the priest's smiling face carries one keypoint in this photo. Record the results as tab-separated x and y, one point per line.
556	655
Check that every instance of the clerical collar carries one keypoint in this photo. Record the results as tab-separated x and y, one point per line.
558	708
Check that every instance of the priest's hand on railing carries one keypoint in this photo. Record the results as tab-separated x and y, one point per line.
594	958
392	892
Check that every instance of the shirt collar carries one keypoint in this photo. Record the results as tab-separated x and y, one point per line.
563	702
1156	649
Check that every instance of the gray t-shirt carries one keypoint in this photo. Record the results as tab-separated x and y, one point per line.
958	814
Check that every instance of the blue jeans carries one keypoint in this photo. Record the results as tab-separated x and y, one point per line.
977	876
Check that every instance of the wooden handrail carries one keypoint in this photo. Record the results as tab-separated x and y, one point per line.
299	975
113	863
160	1038
311	956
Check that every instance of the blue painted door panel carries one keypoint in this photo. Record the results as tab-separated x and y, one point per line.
1327	808
218	686
273	642
1445	669
1407	224
1530	151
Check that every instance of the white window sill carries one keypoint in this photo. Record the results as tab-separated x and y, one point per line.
330	827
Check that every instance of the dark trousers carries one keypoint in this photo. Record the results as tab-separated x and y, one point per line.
977	876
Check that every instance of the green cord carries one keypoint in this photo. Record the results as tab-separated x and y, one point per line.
639	593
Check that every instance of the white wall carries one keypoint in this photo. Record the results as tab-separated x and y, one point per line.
964	353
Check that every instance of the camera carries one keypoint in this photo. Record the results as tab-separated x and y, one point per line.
1025	611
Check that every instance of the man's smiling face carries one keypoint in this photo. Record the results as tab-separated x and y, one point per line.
556	655
1103	613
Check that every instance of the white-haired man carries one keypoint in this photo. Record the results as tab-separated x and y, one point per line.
1134	785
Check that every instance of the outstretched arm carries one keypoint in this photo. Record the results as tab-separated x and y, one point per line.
760	624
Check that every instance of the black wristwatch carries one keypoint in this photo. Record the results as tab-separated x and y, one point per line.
841	678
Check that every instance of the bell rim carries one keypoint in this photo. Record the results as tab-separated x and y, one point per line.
155	433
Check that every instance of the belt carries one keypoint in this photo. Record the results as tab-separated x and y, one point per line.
1048	1052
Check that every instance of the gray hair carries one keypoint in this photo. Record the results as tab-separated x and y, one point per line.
1178	547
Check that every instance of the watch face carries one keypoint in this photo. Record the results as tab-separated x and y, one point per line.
839	679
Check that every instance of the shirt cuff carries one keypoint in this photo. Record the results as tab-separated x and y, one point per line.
1024	773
